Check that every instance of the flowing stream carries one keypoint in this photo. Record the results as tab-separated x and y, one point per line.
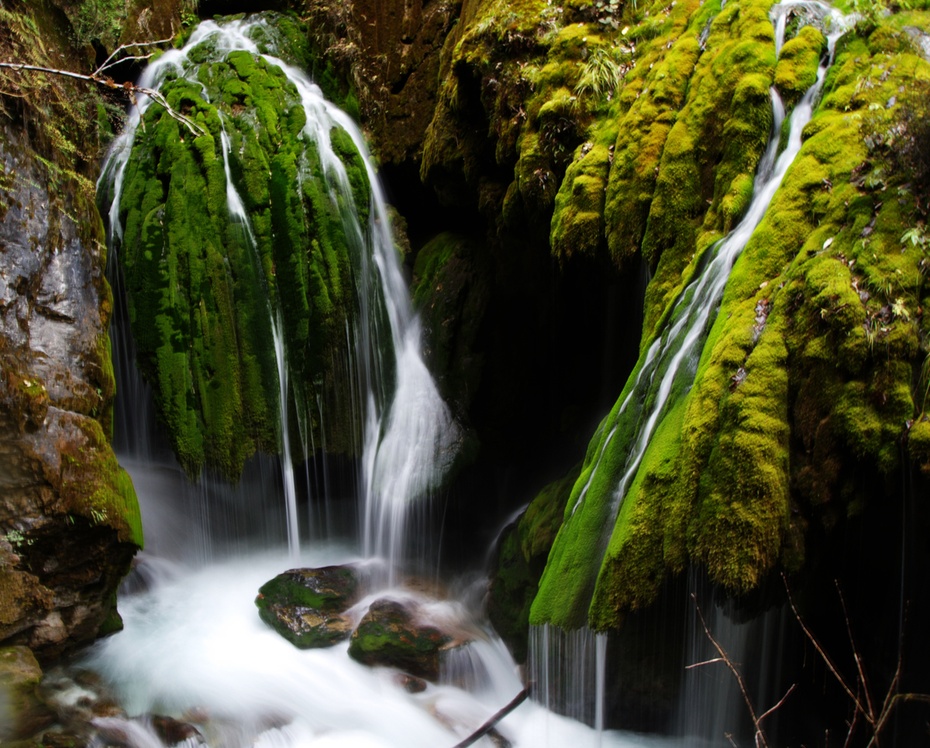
193	646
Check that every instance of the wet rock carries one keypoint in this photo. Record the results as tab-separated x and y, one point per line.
69	520
172	731
392	634
22	712
307	606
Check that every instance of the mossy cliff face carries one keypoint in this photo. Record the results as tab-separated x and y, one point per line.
69	519
811	378
200	295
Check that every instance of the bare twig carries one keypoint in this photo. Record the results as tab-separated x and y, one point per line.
855	650
759	738
825	657
131	89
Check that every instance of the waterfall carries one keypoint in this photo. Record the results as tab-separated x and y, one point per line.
408	435
665	372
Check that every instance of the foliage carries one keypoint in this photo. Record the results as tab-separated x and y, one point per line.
60	113
603	72
99	21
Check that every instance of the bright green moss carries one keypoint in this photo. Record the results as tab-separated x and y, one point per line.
578	220
201	293
807	376
94	486
798	63
656	92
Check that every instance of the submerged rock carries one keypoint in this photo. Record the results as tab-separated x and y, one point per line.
307	606
391	634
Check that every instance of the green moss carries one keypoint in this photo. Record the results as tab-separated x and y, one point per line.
578	219
94	486
797	65
201	294
807	378
918	442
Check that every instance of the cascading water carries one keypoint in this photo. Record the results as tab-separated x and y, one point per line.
665	371
193	645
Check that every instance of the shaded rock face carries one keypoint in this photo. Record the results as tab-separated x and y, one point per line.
69	521
307	606
390	635
392	54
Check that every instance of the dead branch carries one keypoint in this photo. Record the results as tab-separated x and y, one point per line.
114	58
826	658
98	77
497	717
759	737
877	722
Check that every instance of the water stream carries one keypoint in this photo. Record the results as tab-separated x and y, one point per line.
193	645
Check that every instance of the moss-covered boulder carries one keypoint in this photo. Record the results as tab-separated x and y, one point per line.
205	292
391	634
307	606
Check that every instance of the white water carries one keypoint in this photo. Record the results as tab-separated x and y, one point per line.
194	647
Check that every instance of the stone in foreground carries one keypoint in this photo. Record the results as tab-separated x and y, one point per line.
306	606
390	635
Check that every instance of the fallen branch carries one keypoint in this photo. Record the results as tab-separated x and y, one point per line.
498	716
101	79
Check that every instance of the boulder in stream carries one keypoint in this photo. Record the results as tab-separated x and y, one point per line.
307	606
391	634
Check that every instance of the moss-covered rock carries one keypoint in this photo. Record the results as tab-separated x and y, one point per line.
806	384
520	559
332	588
389	635
205	291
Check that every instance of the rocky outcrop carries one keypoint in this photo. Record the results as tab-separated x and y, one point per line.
69	521
391	54
22	712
